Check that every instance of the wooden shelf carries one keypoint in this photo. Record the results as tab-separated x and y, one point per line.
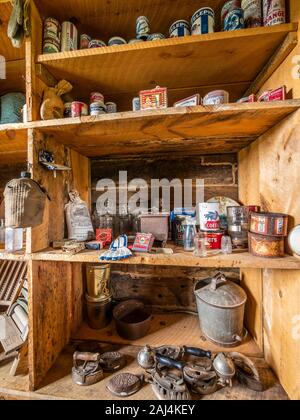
6	48
15	77
211	129
16	256
13	143
180	258
225	58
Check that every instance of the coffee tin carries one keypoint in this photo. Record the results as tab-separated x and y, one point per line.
136	104
252	13
97	108
274	12
51	46
234	20
216	97
273	224
180	28
85	41
213	240
96	43
52	29
209	216
96	97
228	7
116	40
111	107
68	110
69	37
203	21
266	246
142	27
155	37
79	109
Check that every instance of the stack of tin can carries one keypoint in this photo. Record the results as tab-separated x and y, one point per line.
210	224
52	36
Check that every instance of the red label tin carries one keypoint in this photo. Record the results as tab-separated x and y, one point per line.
96	97
104	235
273	224
79	109
274	12
213	240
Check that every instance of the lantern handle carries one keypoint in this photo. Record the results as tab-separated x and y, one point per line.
217	280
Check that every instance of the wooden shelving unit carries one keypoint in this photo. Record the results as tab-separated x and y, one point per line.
203	61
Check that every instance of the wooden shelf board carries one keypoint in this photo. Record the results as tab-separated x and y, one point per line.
211	129
180	258
195	61
13	143
16	256
6	49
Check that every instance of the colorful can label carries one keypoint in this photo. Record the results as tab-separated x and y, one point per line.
52	29
85	41
228	6
69	37
203	21
51	47
96	43
234	20
180	28
209	215
213	240
155	37
274	12
79	109
252	13
97	108
142	27
96	97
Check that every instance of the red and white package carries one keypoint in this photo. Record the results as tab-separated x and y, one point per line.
143	242
104	235
273	95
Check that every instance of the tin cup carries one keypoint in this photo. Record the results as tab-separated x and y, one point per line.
69	37
97	108
116	40
155	37
180	28
142	27
79	109
234	20
97	43
85	41
203	21
111	107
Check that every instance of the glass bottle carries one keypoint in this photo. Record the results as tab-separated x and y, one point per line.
189	228
200	245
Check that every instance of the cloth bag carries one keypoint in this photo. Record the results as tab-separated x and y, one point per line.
78	219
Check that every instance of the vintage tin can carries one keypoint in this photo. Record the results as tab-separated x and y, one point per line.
252	13
96	43
111	107
266	246
209	216
273	95
234	20
68	110
273	224
155	37
69	37
52	29
51	46
136	104
203	21
178	229
216	97
274	12
116	40
85	41
180	28
213	240
228	7
154	99
142	27
96	97
97	108
79	109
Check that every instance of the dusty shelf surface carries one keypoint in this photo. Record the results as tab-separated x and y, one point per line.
201	60
180	258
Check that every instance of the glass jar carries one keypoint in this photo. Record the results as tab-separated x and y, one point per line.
189	234
200	245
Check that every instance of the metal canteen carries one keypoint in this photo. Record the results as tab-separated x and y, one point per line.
225	368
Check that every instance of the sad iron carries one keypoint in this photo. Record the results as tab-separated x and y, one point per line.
169	386
87	368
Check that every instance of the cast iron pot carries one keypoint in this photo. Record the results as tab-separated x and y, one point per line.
133	319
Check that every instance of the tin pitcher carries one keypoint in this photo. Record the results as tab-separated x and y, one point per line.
97	282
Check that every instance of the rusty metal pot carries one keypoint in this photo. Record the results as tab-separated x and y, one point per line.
221	307
133	319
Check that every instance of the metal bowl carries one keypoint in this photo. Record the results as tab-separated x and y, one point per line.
133	319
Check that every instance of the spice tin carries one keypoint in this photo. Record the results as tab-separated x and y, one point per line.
191	101
69	37
79	109
51	46
228	7
180	28
116	40
266	246
97	108
155	37
154	99
111	107
142	27
85	41
97	43
273	95
68	110
203	21
96	97
274	12
209	216
143	242
213	240
216	97
52	29
273	224
234	20
252	13
136	104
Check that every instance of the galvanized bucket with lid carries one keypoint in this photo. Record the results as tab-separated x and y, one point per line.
221	307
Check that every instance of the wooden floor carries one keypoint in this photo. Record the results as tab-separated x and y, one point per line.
58	384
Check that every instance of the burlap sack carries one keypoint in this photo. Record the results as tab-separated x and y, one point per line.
24	203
